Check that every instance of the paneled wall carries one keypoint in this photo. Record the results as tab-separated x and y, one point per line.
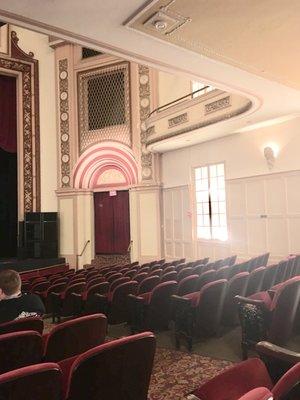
178	223
264	214
263	206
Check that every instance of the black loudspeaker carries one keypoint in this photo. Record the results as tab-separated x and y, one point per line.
41	235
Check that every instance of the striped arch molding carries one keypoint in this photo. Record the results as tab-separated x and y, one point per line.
103	157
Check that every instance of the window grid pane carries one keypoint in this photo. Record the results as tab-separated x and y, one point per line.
211	202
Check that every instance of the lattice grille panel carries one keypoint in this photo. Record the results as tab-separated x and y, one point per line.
87	53
104	105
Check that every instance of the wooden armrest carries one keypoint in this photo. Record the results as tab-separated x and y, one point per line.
139	299
55	294
78	295
241	299
192	397
101	296
179	299
268	349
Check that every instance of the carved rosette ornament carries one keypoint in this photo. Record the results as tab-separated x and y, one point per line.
145	101
28	104
64	122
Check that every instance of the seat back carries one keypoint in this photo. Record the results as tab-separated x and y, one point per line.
210	307
140	276
120	369
118	282
236	381
19	349
287	382
281	271
100	288
73	337
284	306
23	324
34	382
114	277
223	273
184	273
148	284
269	277
187	285
236	287
205	278
255	281
94	281
159	311
169	276
118	312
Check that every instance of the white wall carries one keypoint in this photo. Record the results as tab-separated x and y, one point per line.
38	44
262	205
242	154
172	87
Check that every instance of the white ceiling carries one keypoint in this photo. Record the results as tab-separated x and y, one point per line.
100	24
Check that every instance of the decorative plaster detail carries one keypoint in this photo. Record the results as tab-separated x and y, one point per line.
166	21
103	157
145	99
31	125
178	120
217	105
64	122
193	127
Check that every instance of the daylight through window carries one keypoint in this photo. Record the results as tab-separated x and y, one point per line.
211	202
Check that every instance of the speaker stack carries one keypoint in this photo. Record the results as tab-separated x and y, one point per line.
41	235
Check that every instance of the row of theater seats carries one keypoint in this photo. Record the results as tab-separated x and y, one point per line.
274	312
73	362
200	313
273	376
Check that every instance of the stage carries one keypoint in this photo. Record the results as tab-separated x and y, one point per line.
30	264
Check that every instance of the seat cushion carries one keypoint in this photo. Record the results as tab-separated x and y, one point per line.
262	296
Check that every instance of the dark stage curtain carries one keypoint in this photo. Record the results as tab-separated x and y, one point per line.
112	225
8	167
8	114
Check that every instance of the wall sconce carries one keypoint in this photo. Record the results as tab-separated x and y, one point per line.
270	153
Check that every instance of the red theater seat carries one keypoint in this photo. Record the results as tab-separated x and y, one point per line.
34	382
19	349
23	324
74	337
117	370
199	314
152	310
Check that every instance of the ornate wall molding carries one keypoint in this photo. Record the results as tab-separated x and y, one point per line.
100	158
23	63
65	170
145	102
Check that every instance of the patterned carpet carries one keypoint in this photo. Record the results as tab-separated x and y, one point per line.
176	373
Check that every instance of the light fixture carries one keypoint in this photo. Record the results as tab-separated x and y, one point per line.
270	153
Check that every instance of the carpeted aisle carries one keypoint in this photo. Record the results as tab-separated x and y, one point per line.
177	373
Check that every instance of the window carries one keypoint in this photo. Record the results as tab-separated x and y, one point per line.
211	202
198	85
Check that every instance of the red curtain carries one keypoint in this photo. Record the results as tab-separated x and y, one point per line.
8	114
112	224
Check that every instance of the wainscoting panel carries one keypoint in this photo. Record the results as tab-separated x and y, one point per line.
263	214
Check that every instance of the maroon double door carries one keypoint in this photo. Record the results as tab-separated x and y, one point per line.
112	224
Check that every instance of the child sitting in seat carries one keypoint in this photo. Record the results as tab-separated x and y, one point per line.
13	303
